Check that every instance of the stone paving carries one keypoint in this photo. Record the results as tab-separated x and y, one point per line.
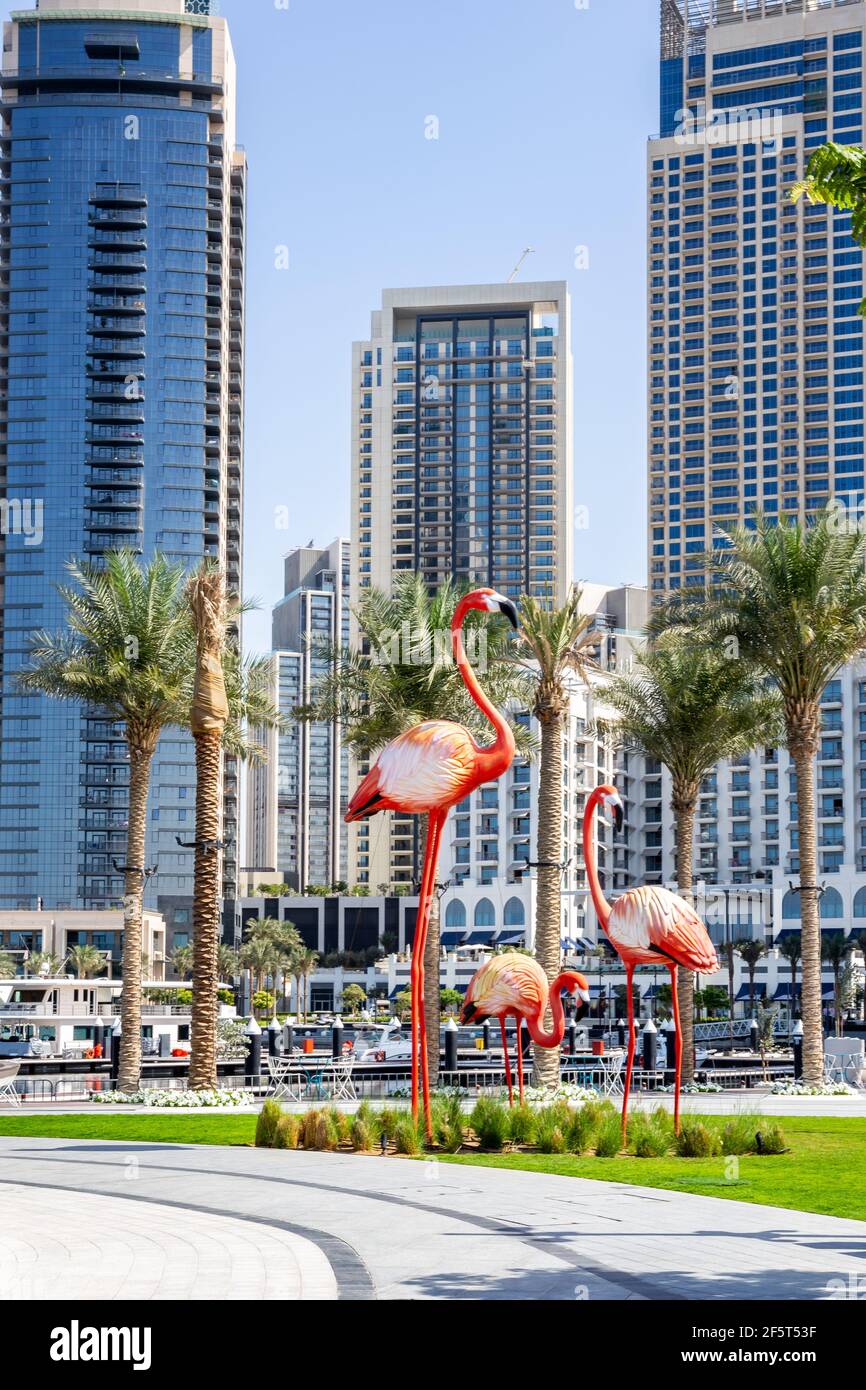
197	1222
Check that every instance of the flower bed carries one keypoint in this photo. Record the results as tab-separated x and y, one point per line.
799	1088
227	1097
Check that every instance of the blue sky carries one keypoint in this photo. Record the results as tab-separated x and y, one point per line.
544	111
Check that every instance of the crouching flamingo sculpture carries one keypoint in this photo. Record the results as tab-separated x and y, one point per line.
427	770
646	926
516	984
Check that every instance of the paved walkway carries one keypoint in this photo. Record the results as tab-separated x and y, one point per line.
197	1222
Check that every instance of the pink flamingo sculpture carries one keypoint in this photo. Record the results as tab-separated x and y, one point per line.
429	769
516	984
647	926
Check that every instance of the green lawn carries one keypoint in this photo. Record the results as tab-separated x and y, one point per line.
822	1173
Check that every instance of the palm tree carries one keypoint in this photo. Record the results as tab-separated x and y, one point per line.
227	962
85	961
7	966
287	944
208	719
259	956
556	645
405	673
790	601
836	174
835	950
181	960
302	968
688	707
791	950
120	654
750	952
43	963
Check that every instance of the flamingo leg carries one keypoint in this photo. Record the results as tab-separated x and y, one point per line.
502	1018
629	973
519	1021
679	1052
428	887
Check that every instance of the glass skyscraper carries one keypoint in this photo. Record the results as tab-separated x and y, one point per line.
297	799
121	376
755	343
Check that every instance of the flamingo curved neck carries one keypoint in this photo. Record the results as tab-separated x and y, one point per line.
565	981
497	758
599	902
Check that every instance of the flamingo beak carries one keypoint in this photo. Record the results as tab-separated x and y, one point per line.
509	611
468	1012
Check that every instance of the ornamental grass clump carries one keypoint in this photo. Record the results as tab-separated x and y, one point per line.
362	1134
387	1121
407	1137
697	1140
550	1129
651	1135
449	1123
737	1135
582	1128
489	1120
288	1132
326	1136
609	1138
522	1123
309	1123
772	1140
266	1124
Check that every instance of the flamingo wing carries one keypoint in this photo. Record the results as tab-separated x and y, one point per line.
430	767
650	922
508	982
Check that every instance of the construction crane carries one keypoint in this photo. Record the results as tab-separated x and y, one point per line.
527	251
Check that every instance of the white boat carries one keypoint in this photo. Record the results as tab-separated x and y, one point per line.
392	1045
68	1018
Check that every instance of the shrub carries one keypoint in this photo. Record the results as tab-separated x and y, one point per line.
773	1140
387	1121
550	1129
522	1124
738	1134
266	1125
582	1129
489	1119
609	1139
449	1123
288	1132
362	1134
309	1123
407	1139
327	1137
651	1136
342	1124
697	1140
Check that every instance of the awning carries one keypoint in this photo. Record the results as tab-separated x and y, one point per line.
785	934
745	993
452	938
480	938
513	937
782	992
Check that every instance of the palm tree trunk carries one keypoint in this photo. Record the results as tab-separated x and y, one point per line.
548	899
683	805
432	953
140	757
205	975
802	743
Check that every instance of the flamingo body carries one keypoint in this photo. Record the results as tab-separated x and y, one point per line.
431	766
652	926
647	926
516	984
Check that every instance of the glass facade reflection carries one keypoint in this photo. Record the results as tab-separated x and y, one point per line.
121	388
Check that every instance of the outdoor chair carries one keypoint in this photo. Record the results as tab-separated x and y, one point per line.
8	1075
844	1061
612	1065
